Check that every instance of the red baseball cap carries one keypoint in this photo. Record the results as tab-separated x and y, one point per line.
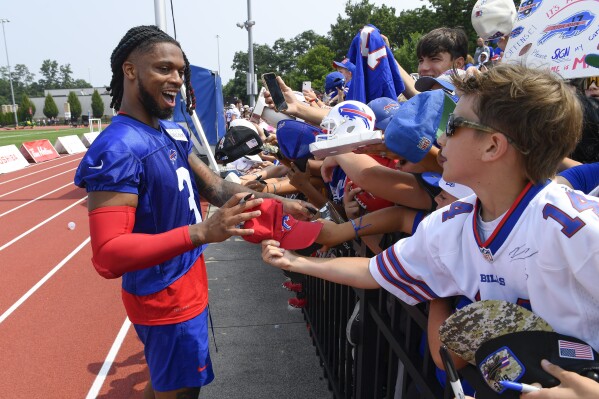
274	223
367	200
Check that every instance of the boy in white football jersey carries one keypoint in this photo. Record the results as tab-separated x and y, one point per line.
520	238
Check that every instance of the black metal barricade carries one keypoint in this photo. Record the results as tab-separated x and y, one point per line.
392	353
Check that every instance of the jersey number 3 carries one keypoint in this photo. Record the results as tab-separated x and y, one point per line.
185	179
571	225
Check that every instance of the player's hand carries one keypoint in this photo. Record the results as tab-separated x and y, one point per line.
326	169
352	207
275	256
572	386
290	99
300	210
226	221
256	185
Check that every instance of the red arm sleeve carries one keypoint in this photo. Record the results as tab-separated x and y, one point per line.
116	250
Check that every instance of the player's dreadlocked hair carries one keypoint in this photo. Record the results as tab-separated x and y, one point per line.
142	39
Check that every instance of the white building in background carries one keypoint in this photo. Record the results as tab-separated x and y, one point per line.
8	109
61	96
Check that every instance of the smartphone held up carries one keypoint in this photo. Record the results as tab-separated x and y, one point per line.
270	81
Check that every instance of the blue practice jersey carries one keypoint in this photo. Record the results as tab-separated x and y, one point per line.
377	74
132	157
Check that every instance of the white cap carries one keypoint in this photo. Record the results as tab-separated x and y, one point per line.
243	122
455	189
493	19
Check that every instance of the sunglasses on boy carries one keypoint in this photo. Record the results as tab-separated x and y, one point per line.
455	122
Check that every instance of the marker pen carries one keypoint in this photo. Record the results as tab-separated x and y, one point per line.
454	378
517	386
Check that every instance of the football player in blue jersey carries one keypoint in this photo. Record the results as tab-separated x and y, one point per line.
144	214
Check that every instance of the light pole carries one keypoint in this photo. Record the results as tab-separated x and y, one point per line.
252	87
218	52
12	92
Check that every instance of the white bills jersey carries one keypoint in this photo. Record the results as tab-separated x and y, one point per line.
544	252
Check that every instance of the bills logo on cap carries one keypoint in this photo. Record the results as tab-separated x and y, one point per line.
274	224
285	223
390	107
574	350
527	8
501	365
572	26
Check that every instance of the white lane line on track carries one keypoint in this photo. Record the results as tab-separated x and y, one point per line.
101	377
35	199
8	244
42	281
37	182
39	171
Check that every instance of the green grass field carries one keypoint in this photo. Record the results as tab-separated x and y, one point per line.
17	137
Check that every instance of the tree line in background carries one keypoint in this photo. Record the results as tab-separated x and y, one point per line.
309	56
54	76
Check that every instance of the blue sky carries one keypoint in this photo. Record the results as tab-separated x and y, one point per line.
84	35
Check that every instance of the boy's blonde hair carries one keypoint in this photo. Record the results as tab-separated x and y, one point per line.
535	109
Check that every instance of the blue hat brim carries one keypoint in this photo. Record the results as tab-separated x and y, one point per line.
419	121
294	138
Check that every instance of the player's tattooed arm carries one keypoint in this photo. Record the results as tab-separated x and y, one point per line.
218	191
215	189
211	186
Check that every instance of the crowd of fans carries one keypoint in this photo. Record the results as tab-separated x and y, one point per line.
392	188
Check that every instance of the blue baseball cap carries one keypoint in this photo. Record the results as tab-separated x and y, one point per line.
333	81
384	109
345	64
418	122
294	138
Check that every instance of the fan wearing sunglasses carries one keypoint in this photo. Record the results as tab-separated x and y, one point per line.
520	237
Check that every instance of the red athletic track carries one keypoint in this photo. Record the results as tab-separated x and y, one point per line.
58	318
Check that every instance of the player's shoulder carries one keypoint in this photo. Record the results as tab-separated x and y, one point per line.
124	134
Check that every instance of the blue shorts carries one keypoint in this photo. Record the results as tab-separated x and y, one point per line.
177	354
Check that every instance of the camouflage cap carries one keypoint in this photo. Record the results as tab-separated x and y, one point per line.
468	328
